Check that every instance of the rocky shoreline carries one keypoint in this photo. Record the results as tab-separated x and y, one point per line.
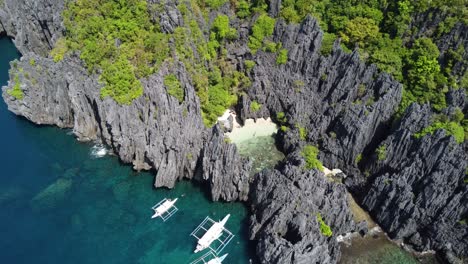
417	193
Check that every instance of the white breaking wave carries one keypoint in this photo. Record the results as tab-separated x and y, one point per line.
99	151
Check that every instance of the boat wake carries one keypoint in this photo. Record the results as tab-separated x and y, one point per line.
99	151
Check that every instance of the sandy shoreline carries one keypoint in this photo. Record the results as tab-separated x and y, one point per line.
251	129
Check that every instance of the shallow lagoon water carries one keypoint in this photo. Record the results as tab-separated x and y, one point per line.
62	203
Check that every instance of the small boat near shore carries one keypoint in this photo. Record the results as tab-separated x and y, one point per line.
164	209
212	233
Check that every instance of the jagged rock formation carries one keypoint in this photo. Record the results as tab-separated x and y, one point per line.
155	132
323	95
416	193
285	203
227	172
341	102
34	25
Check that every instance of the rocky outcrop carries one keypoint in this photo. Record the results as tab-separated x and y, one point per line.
346	108
342	103
285	203
417	192
154	132
34	25
226	172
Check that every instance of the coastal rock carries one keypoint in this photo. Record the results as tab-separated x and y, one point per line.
154	132
285	203
417	192
226	172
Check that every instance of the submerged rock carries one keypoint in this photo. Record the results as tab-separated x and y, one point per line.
52	194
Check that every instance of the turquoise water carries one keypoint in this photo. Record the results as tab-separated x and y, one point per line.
377	249
59	204
261	151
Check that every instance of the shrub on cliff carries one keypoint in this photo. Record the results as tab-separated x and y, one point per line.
118	39
452	127
282	57
174	87
255	106
262	28
381	152
324	228
16	91
309	153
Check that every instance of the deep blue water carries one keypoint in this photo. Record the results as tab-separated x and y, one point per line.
59	204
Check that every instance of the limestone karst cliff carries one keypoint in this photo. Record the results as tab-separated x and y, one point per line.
417	192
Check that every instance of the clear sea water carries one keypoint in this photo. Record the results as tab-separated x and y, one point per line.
60	204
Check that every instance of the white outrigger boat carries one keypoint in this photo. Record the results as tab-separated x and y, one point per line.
217	260
164	209
212	234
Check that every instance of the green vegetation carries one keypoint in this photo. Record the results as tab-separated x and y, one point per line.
309	153
32	62
221	28
324	228
327	43
174	87
452	127
282	57
16	91
423	73
302	132
215	4
116	38
380	29
120	81
262	28
358	158
119	41
381	152
249	64
255	106
243	9
281	118
59	51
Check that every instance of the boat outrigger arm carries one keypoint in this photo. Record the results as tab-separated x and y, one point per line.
217	260
165	209
216	232
209	258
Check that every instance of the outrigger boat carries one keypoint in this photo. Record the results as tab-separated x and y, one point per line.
163	207
213	233
217	260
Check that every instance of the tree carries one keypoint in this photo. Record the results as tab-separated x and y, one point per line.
423	73
360	31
